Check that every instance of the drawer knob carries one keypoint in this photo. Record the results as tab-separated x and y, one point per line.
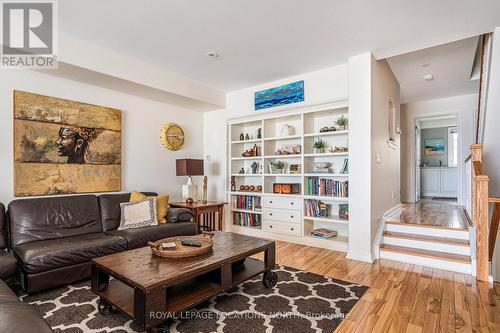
291	229
270	214
270	226
291	203
291	216
270	201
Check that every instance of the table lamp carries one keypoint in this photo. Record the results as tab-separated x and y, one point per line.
189	167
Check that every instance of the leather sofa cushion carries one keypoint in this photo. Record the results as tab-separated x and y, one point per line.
140	237
42	256
3	228
175	215
19	317
8	265
109	205
41	219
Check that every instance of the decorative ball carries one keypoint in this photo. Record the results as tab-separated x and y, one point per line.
242	187
259	188
252	188
247	187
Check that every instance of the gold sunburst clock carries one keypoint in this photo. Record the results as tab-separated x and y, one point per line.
172	136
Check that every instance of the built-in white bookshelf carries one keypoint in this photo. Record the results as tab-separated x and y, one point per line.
286	216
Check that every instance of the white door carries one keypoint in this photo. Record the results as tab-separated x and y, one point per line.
418	152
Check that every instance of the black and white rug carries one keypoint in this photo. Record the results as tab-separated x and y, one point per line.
301	302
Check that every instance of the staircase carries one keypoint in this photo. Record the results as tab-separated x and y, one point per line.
431	246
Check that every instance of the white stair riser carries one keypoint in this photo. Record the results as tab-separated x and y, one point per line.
425	245
447	233
428	262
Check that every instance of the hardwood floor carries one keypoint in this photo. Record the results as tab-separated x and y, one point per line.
403	297
432	214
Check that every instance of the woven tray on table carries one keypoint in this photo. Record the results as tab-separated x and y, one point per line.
182	251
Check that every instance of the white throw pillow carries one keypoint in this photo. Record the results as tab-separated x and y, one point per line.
138	214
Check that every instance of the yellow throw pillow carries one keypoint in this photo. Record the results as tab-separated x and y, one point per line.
161	204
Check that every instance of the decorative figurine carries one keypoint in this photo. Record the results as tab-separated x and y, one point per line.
254	167
242	137
233	184
247	137
242	171
259	188
205	185
255	150
259	133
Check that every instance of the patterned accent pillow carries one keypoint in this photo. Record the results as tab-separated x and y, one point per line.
138	214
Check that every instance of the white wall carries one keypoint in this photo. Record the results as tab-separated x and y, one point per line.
463	106
491	138
385	157
146	165
330	84
360	157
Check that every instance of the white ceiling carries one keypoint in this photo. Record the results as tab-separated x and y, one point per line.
450	64
265	40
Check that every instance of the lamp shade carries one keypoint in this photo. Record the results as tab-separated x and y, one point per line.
189	167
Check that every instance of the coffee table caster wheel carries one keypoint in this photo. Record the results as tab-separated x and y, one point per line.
270	279
104	307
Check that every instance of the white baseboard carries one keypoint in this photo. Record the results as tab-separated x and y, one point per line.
365	257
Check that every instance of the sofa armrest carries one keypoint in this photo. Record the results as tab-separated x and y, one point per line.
175	215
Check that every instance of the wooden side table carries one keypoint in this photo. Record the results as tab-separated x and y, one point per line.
207	216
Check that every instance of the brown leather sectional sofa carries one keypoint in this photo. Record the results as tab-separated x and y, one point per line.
53	239
49	242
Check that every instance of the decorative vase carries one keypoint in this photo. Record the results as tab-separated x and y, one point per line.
319	150
286	130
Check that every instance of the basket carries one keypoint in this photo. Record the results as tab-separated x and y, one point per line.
182	251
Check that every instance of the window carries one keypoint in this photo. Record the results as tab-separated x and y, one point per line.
452	146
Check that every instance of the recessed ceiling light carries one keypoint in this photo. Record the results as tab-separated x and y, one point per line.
426	65
428	77
212	54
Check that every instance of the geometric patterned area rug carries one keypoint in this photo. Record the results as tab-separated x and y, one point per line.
301	302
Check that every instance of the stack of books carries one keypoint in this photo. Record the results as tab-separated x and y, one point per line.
323	233
327	187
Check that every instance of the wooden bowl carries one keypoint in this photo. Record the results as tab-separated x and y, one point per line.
182	251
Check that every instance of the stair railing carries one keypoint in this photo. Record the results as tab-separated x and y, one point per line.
486	235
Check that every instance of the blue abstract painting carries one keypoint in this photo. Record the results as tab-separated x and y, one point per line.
286	94
433	147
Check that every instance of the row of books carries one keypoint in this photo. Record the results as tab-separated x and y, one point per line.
316	208
246	219
327	187
249	202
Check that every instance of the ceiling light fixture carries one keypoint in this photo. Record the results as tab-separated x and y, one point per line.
426	65
212	54
428	77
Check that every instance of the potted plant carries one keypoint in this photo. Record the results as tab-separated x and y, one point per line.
280	166
319	146
342	123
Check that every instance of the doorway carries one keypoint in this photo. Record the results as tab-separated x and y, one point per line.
437	150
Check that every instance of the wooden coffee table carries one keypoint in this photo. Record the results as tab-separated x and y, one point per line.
151	289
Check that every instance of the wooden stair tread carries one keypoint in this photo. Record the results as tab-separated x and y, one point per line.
424	225
426	253
432	239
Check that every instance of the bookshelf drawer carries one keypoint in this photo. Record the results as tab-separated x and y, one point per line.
292	216
282	203
282	228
